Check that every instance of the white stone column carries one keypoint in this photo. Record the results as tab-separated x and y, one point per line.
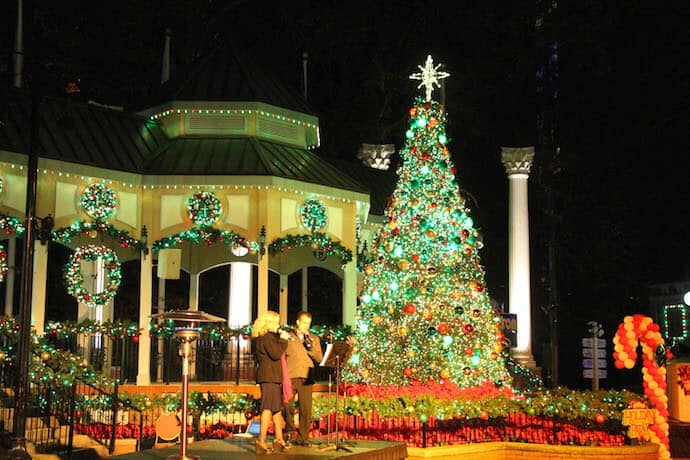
145	302
350	293
9	277
283	299
305	288
194	291
262	284
38	295
518	162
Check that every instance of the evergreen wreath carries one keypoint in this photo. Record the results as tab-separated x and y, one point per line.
74	278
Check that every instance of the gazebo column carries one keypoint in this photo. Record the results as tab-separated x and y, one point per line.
38	295
194	291
518	162
262	284
194	306
145	297
9	277
283	299
160	342
305	289
239	312
349	293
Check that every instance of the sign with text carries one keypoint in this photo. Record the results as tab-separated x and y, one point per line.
638	421
510	327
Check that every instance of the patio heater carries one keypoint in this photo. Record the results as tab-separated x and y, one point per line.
187	330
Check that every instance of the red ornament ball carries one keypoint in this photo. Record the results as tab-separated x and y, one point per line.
468	328
135	338
443	328
407	372
409	309
600	418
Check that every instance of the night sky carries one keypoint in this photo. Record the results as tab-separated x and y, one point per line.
619	185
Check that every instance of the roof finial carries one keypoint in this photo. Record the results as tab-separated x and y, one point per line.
429	76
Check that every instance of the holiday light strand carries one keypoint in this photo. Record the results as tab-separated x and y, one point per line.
3	264
93	229
11	225
641	330
317	241
207	235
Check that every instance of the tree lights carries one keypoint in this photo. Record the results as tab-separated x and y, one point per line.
425	315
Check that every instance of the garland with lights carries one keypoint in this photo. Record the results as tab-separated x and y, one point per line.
204	208
315	241
99	201
313	214
641	330
74	278
118	329
11	225
92	229
208	235
3	264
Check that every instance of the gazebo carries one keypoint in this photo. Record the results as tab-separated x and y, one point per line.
217	170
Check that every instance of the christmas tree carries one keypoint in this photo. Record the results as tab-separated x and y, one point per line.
425	315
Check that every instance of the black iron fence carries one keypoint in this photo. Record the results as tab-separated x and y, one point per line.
214	360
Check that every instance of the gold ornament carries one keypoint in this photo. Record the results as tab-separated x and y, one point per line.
45	356
445	373
403	264
403	330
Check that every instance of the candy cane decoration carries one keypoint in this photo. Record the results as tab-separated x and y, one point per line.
642	330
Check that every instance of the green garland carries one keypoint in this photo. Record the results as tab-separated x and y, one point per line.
204	208
99	201
74	278
316	241
11	225
560	402
65	234
208	235
114	329
313	214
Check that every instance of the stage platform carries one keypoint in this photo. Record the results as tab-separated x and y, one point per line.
237	448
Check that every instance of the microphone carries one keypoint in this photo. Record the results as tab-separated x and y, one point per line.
290	332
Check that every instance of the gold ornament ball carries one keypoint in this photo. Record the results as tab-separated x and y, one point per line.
45	356
403	264
410	353
445	373
402	331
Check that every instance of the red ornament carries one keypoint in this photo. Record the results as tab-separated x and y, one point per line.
409	309
415	258
413	111
407	372
396	231
469	351
453	170
468	328
600	418
135	338
443	328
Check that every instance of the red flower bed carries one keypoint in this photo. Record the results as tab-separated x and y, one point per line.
444	389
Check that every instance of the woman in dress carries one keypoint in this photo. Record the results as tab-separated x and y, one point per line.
270	344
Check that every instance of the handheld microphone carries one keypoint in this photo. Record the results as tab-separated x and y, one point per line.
290	331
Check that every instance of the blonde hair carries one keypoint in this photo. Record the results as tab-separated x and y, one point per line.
262	323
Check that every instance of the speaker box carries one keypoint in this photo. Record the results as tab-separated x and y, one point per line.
169	264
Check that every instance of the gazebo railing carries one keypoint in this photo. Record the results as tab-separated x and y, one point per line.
215	360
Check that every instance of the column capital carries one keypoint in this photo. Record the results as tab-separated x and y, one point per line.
517	160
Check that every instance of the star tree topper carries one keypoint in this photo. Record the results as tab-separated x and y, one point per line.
429	76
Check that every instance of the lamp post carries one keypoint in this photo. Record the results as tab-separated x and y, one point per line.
187	328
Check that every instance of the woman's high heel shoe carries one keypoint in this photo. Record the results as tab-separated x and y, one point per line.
280	445
262	448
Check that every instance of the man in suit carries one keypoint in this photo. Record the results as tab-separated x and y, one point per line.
303	353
